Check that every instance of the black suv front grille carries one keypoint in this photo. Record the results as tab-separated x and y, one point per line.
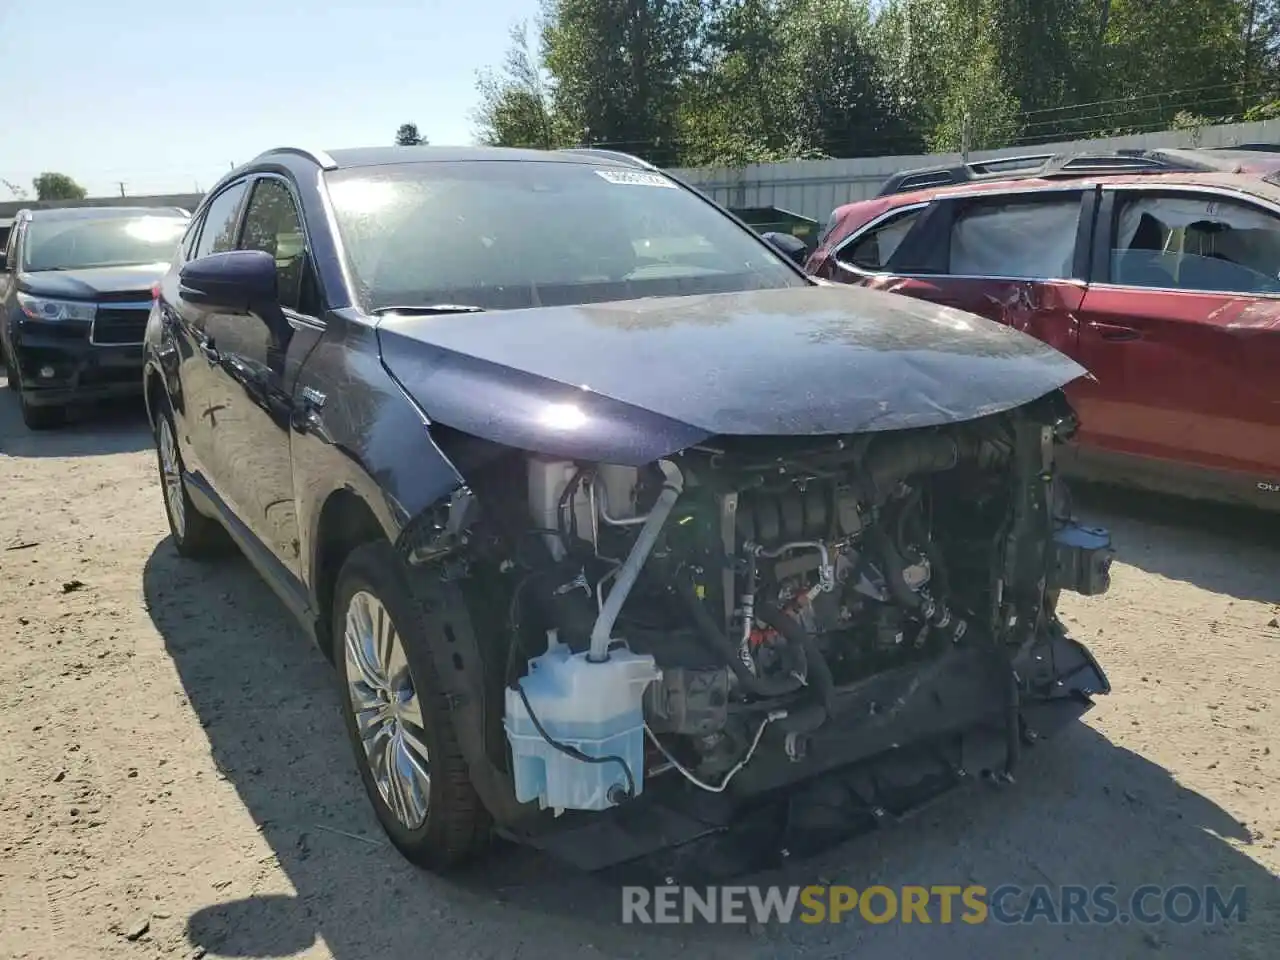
119	324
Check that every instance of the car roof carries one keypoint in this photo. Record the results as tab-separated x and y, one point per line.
101	213
1258	181
381	156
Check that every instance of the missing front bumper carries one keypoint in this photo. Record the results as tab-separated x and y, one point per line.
901	740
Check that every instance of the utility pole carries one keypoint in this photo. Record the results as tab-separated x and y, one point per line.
121	183
965	126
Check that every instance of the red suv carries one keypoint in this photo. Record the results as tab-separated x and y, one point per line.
1159	271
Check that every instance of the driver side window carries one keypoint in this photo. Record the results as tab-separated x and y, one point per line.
272	224
1188	241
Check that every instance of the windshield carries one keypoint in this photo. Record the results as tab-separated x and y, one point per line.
76	244
506	235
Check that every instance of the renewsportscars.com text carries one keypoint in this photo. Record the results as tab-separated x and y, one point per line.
939	903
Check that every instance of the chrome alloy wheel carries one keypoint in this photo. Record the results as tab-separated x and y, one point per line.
171	477
387	710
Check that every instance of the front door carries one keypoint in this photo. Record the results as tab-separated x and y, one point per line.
197	403
1182	332
1019	258
258	361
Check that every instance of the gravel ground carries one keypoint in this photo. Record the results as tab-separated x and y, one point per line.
175	781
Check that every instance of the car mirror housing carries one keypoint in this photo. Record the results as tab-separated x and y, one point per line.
237	281
791	247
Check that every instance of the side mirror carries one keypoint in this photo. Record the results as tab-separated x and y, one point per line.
793	248
237	281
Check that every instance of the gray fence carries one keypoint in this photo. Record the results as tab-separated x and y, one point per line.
813	188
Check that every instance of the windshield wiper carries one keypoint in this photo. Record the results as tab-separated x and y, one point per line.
430	309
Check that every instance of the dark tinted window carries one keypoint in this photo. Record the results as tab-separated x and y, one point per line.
521	234
219	231
272	225
106	241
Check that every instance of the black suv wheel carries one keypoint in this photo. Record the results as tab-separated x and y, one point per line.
399	723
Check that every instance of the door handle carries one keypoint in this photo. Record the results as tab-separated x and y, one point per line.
1114	332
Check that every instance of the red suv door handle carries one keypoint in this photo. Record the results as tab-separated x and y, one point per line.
1116	331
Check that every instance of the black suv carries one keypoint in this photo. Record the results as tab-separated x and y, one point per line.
590	493
75	291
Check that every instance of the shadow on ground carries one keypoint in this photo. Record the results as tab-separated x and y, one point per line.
119	426
1221	548
1084	812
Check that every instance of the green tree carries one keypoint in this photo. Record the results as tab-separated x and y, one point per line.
408	136
617	68
57	186
515	107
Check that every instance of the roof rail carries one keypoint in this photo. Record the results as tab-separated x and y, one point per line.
1251	147
1048	165
626	158
318	157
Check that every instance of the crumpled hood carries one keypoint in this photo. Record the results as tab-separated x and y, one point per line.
630	381
93	283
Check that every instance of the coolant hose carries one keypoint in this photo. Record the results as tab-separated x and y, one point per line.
727	651
601	633
819	677
893	564
890	462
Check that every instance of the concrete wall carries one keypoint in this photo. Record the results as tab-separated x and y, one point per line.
813	188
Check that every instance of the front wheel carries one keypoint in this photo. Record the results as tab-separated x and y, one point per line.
35	418
398	721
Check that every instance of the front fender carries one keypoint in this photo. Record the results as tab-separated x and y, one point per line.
356	431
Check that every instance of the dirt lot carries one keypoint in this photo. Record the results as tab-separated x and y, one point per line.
176	782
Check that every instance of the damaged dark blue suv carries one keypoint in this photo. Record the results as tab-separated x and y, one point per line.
623	534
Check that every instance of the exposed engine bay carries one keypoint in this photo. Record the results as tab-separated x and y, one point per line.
731	617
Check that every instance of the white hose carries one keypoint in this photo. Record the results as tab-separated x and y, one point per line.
601	633
773	715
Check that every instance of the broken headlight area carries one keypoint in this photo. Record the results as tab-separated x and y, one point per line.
689	641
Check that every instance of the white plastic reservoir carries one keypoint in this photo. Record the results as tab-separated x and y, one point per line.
594	707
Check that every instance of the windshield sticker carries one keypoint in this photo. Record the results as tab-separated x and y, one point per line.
634	178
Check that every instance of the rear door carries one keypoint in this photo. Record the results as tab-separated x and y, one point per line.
1181	328
1017	257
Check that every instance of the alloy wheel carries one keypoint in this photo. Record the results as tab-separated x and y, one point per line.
171	477
387	710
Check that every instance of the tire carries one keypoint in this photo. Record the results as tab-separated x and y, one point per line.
195	536
41	418
35	418
454	825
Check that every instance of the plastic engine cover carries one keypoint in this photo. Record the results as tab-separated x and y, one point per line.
592	707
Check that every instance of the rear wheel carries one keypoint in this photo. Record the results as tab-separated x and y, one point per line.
194	535
398	721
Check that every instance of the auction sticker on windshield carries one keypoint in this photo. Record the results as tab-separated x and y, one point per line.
635	179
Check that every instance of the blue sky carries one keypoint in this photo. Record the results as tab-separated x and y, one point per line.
165	96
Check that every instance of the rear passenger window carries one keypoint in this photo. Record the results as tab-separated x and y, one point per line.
872	250
1195	242
219	232
1026	239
